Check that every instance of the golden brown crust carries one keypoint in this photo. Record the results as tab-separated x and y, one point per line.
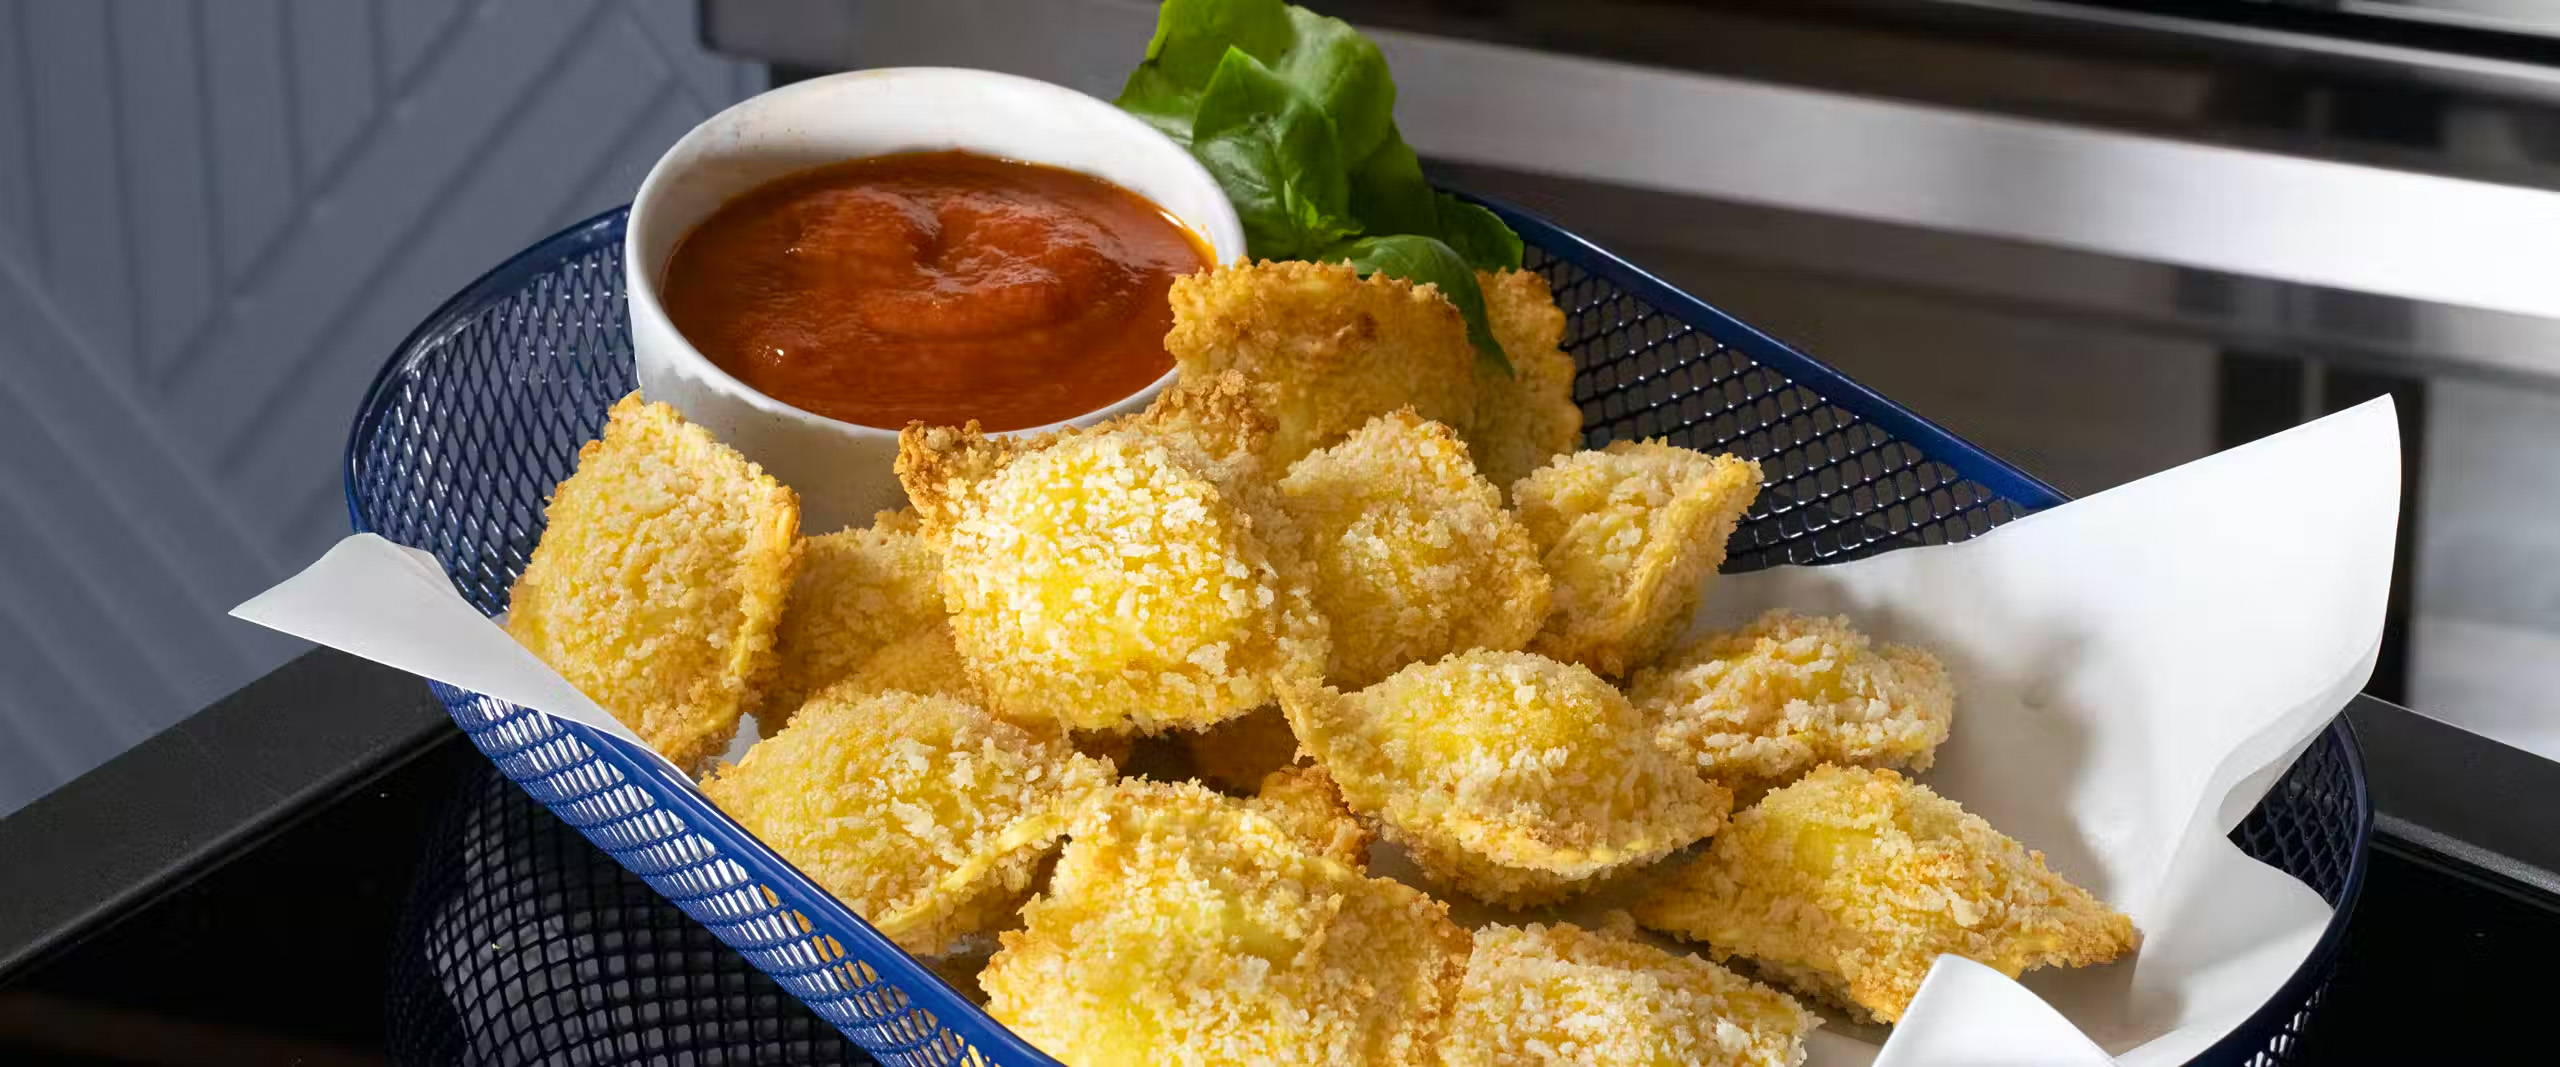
858	594
940	467
1509	776
1304	801
1130	577
1759	706
1219	423
1327	348
1413	554
925	662
1850	883
1527	417
1558	996
924	814
1631	534
660	579
1220	417
1182	928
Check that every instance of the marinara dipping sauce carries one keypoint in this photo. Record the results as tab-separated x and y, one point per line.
941	286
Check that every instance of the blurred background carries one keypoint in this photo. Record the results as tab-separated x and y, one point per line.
217	220
2099	237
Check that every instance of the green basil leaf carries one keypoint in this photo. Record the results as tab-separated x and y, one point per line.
1422	260
1192	36
1478	235
1294	114
1345	76
1389	193
1332	65
1276	157
1153	96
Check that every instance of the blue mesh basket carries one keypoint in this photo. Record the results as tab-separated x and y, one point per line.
482	410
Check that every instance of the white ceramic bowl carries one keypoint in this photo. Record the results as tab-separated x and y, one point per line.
843	471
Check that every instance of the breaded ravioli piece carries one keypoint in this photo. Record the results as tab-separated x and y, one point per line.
1414	556
1180	927
1759	706
1328	348
1305	802
924	814
1236	755
1514	778
1563	996
660	579
1849	883
1106	580
1631	534
1527	417
859	591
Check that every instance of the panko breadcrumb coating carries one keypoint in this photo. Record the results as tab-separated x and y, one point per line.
1182	928
1414	556
660	579
1218	424
1527	417
924	814
858	592
1221	421
1510	776
1849	883
1631	534
1106	580
922	662
1237	754
1758	706
1328	348
1561	996
1305	802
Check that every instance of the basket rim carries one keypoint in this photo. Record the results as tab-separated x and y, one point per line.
972	1023
2320	964
1976	463
452	315
2007	479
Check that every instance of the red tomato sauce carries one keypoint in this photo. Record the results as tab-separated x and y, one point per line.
935	286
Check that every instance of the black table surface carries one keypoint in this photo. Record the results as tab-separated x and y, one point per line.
174	908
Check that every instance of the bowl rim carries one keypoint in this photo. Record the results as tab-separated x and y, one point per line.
640	281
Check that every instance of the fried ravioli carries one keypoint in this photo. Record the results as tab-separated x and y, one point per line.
1105	580
1328	348
1182	928
867	603
1527	417
1414	556
1849	883
660	579
1536	996
1176	493
1305	802
1631	534
1759	706
1509	776
924	814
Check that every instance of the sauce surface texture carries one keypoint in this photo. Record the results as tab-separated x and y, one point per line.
941	286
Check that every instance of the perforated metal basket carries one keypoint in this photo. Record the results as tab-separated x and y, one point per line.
483	409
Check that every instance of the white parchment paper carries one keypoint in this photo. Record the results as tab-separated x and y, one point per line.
2133	670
